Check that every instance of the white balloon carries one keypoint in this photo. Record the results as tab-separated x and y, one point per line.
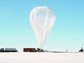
42	19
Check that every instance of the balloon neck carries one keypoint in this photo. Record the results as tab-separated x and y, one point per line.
40	47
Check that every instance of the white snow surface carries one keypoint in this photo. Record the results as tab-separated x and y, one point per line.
26	57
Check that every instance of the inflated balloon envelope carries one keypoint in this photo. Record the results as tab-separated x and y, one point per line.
42	19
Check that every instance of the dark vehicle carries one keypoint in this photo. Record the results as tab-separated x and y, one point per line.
8	50
29	50
81	50
2	50
40	50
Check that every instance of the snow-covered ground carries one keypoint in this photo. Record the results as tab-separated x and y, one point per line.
41	57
